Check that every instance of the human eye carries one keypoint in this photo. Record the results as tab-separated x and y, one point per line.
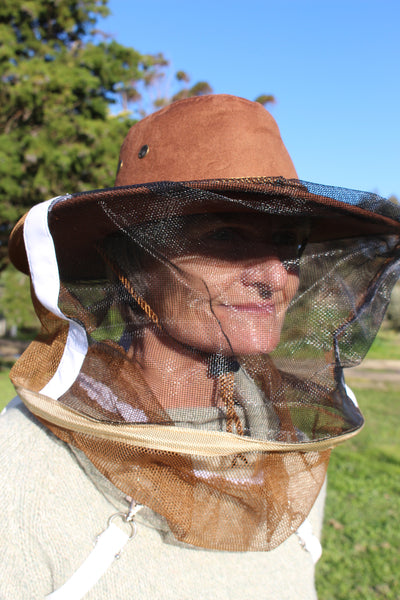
285	238
224	242
222	234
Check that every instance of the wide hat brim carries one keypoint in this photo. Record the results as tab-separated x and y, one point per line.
79	222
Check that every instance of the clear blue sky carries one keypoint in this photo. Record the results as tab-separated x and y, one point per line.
333	66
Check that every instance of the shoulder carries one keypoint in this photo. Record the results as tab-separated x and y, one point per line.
21	435
46	498
25	442
37	464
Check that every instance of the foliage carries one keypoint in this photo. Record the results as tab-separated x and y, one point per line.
202	88
59	76
265	99
15	300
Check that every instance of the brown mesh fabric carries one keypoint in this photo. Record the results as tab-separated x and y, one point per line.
48	346
215	320
253	503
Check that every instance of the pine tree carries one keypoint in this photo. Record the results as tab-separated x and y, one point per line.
59	77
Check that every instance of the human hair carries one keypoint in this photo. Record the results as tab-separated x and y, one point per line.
127	270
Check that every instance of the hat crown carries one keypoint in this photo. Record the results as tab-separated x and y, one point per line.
204	137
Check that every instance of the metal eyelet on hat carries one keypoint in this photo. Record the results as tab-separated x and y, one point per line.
143	151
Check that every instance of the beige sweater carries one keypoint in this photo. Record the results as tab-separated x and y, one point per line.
54	504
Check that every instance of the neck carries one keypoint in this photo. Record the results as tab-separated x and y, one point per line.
178	376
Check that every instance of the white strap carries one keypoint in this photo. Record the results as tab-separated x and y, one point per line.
108	546
43	267
351	394
309	541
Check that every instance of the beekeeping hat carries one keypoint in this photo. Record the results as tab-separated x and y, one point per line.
240	469
220	144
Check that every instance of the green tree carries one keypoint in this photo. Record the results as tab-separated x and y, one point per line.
59	76
15	300
265	99
59	80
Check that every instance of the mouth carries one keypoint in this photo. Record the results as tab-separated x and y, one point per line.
258	308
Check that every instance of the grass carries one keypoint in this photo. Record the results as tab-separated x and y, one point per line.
7	391
361	535
386	345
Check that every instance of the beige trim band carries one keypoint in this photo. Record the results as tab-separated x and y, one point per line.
165	438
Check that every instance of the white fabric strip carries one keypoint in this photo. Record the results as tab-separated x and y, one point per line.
351	394
108	546
43	267
309	541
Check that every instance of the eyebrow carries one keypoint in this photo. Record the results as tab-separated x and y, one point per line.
260	222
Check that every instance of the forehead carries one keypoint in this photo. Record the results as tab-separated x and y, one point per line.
197	223
259	221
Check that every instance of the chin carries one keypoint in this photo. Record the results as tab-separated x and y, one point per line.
253	339
243	346
231	339
246	349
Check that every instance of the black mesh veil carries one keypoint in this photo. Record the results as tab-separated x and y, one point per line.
215	321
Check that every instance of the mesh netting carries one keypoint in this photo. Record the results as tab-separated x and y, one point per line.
218	321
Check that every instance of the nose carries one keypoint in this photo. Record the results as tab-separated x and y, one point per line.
266	277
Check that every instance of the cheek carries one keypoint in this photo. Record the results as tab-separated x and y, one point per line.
189	292
210	282
292	285
175	295
182	302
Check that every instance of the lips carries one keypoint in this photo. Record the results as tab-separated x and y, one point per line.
252	308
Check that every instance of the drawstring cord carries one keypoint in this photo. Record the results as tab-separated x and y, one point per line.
223	368
226	386
129	288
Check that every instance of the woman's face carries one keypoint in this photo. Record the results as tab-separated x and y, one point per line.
225	281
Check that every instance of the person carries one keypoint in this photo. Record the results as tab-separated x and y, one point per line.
183	396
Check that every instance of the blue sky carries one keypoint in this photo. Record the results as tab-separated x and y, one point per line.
333	66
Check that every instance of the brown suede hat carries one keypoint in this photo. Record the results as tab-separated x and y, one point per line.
226	146
205	137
